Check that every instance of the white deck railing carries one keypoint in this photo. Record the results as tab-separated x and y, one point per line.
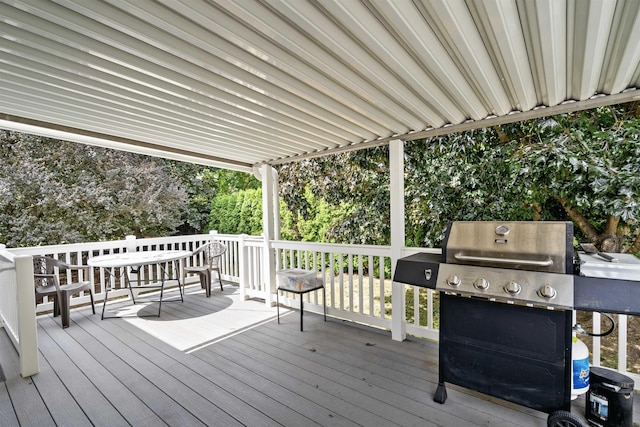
17	308
358	281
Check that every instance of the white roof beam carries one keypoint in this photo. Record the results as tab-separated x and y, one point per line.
471	64
109	125
420	90
220	59
167	114
153	64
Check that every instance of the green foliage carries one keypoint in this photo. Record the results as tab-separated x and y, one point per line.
315	225
583	166
354	185
588	163
237	213
465	176
54	192
423	294
200	185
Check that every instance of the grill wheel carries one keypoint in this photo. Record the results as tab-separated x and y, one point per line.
565	419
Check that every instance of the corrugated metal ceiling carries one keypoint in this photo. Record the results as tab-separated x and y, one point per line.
238	83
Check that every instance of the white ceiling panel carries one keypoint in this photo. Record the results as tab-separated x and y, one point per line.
241	83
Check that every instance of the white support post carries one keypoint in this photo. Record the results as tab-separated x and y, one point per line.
27	325
396	189
130	243
268	227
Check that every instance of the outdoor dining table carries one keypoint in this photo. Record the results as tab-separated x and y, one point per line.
135	261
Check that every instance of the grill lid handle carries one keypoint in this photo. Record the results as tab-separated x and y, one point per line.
510	261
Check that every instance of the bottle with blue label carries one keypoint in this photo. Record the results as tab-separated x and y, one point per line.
580	362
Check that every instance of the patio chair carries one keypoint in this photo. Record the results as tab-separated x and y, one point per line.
212	253
47	285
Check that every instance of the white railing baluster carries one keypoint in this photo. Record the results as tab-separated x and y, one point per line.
622	342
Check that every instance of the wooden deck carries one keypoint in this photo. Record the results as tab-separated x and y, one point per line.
221	361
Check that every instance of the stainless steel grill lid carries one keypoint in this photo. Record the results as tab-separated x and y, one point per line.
532	245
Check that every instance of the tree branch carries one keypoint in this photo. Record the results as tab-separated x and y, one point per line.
579	219
610	240
611	228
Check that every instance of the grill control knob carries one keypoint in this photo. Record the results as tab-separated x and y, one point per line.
481	284
547	291
512	288
453	280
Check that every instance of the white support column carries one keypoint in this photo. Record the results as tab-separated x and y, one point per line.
276	205
268	228
396	189
27	327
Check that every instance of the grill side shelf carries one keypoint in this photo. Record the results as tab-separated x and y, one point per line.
607	295
420	269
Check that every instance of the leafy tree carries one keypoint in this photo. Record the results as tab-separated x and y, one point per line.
588	163
142	199
200	186
459	177
356	184
55	192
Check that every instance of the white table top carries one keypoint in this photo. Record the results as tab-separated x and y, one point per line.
132	259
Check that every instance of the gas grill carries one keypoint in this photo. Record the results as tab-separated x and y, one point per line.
507	291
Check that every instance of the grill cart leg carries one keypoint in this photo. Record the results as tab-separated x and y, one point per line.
441	393
565	419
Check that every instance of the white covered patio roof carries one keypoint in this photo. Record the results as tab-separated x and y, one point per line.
240	83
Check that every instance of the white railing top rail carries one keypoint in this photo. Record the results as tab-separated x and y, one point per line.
332	247
112	244
5	255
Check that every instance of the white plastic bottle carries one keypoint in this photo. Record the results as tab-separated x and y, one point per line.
580	364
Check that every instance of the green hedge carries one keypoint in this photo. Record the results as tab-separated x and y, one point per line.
237	213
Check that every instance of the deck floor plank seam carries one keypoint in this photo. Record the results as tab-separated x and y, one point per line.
422	378
172	360
396	387
289	390
354	391
76	400
223	361
121	398
178	404
135	374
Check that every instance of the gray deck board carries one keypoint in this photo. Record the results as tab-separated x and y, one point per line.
9	362
198	391
222	361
